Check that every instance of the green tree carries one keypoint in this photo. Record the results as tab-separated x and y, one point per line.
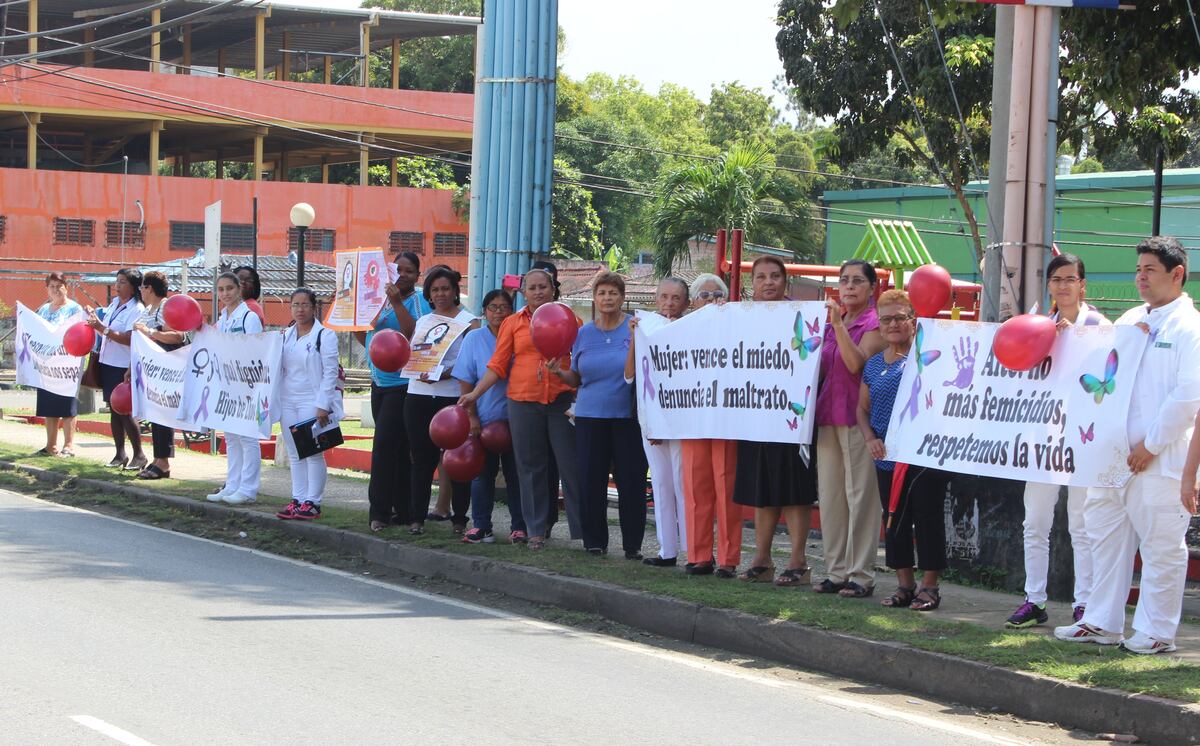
574	224
738	114
434	63
740	189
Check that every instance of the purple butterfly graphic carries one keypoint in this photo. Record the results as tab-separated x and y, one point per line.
1087	436
793	423
813	327
929	400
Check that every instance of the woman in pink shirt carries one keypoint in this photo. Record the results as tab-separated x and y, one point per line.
849	493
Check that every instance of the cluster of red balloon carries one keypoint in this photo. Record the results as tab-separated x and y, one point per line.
465	454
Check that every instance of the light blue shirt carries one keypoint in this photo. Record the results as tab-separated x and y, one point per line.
599	358
418	307
68	309
477	349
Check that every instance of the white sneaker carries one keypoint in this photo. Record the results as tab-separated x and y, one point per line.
239	499
1080	632
217	496
1146	645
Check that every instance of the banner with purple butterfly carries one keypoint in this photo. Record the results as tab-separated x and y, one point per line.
230	382
1063	422
741	371
156	376
41	361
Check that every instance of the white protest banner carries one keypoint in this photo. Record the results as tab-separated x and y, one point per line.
744	371
157	377
362	275
229	382
431	340
1063	422
41	360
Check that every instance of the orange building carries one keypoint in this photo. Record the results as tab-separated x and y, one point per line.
216	94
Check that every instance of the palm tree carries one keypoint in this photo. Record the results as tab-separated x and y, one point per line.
739	189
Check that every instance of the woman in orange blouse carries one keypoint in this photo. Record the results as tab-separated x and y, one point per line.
537	410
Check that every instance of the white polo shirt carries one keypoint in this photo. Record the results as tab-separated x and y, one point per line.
119	317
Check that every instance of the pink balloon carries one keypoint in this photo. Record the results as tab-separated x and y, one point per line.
389	350
450	427
929	288
464	463
182	313
79	339
553	329
1024	341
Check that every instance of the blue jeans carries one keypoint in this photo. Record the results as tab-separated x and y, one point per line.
483	492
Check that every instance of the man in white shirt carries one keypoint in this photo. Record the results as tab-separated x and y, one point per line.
1147	514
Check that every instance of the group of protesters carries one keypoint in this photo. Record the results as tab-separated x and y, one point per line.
574	425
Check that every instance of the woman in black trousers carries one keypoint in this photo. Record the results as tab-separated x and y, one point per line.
151	323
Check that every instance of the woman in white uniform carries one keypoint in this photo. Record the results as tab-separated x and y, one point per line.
1067	287
243	458
308	389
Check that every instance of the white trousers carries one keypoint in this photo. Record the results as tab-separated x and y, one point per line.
243	461
1040	501
666	478
1145	515
309	474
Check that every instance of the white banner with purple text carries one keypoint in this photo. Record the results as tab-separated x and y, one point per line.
229	382
41	361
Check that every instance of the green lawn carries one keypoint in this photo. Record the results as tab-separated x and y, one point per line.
1092	665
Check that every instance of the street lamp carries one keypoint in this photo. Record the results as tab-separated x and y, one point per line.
302	216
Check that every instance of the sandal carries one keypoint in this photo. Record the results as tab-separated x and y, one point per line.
726	572
416	529
45	452
901	598
153	472
758	574
536	544
794	576
854	590
431	516
377	526
934	596
67	452
828	586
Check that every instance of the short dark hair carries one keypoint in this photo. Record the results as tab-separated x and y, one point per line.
133	275
409	256
230	276
156	281
867	270
1168	250
56	277
687	295
312	296
437	273
552	276
771	259
497	293
1066	260
256	290
612	279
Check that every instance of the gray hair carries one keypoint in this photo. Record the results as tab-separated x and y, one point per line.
687	292
707	277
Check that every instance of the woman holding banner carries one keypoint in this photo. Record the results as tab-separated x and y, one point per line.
773	478
912	496
847	482
709	469
59	411
151	324
607	435
427	396
537	411
243	458
388	490
251	290
1068	285
115	328
308	394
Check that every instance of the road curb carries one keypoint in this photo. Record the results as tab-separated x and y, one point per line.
890	664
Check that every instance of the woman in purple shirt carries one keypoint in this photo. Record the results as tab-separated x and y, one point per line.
849	493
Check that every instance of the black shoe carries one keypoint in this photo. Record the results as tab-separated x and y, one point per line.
633	556
698	568
660	561
724	573
431	516
597	551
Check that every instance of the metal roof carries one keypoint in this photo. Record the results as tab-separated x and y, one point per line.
277	273
317	31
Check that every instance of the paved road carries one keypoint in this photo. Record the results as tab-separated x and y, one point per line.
119	633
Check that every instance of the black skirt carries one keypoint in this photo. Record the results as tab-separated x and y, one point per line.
111	376
772	475
55	405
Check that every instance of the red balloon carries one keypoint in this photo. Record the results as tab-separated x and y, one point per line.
79	339
464	463
389	350
929	289
182	313
121	398
553	329
450	427
1024	341
496	437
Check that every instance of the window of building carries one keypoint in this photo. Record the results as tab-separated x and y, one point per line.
449	244
3	227
316	239
124	235
399	241
74	231
187	235
237	236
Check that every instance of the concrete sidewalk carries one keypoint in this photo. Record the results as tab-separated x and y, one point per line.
349	489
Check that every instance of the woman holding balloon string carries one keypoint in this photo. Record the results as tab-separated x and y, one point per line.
537	409
115	328
1068	286
59	411
427	396
243	458
152	324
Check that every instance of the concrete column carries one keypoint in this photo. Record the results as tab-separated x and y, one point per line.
395	66
155	42
33	27
89	54
31	140
286	65
324	171
220	163
364	160
284	165
221	61
186	67
260	46
364	50
258	156
155	129
328	70
395	175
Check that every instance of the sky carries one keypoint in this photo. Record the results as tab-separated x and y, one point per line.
693	43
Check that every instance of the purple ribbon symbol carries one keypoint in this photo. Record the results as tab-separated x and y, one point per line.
137	376
647	384
203	408
24	354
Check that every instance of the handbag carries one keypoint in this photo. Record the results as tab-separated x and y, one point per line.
91	372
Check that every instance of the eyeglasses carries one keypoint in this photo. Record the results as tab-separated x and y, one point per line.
301	305
498	308
710	294
1064	280
854	280
898	319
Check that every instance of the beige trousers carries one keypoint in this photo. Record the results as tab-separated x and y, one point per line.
851	515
